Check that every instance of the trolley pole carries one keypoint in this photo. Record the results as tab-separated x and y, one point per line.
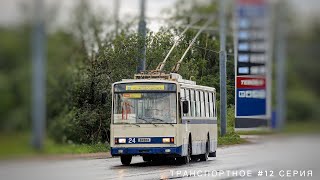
223	68
38	77
142	38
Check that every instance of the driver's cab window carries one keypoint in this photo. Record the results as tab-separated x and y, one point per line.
145	108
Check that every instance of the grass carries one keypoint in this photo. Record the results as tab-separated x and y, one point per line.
255	132
306	127
16	145
230	139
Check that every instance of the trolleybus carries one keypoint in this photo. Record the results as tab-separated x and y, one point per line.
163	116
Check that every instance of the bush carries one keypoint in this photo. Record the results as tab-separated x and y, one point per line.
302	105
81	126
230	138
230	118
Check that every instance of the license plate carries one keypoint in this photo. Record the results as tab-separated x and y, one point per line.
144	140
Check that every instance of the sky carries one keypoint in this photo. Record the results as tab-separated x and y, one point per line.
11	13
10	10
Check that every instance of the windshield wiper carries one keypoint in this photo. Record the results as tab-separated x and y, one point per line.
143	119
130	124
148	122
165	122
157	119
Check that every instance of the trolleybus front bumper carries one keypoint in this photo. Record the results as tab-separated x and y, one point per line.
118	151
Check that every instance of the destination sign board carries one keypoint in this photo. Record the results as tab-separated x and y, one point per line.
145	87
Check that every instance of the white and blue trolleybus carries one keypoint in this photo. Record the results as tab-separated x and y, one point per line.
161	116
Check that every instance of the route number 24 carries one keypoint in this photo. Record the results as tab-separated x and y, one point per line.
131	140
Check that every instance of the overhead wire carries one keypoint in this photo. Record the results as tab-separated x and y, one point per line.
162	64
217	52
175	69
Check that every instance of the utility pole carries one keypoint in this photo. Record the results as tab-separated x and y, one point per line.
280	69
38	76
116	15
142	38
223	68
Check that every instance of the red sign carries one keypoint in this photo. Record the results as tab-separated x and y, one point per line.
251	82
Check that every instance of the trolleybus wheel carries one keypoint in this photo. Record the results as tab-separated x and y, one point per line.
126	159
204	157
147	158
213	154
185	159
195	158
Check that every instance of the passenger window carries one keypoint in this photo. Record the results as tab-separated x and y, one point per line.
193	103
211	110
198	104
188	99
182	98
203	111
183	94
214	105
206	100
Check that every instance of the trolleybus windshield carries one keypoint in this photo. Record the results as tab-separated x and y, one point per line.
145	104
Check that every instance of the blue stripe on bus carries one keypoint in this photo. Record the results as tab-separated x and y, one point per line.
146	150
199	121
135	140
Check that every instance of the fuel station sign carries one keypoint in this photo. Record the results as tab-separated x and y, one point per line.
252	63
251	96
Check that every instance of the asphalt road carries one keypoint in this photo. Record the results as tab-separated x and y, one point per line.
276	156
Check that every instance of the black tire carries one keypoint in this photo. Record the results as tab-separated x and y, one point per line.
195	158
204	157
170	160
185	159
126	159
147	158
213	154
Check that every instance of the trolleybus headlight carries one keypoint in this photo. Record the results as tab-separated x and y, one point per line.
167	140
121	140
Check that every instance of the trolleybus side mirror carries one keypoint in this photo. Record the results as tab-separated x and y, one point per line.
185	107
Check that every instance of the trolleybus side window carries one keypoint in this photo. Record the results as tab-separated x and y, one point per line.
206	103
197	104
188	99
203	110
214	104
211	104
193	103
183	98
